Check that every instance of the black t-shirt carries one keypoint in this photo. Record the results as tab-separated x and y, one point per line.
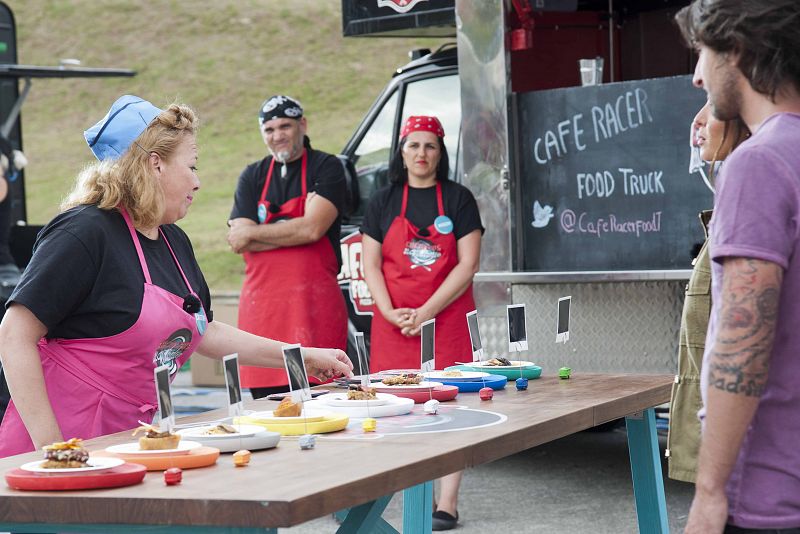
324	175
85	280
385	204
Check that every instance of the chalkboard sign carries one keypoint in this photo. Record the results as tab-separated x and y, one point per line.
604	176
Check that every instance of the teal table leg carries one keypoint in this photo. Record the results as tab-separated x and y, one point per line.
648	482
130	529
418	509
366	518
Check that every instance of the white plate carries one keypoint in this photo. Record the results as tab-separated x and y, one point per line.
396	406
307	416
515	364
132	449
340	400
425	386
95	465
199	432
263	440
464	376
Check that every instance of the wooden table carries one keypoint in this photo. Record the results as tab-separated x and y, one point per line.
286	486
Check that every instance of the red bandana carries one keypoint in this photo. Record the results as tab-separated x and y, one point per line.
423	123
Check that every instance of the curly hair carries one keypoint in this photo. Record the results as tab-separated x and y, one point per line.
398	174
765	34
129	180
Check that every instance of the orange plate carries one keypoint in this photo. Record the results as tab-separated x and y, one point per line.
199	457
126	474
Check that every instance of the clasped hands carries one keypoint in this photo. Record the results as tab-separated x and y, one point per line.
408	320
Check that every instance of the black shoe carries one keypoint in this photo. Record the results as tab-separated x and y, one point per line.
444	521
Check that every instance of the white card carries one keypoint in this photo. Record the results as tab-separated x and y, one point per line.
296	369
165	407
517	329
475	336
230	364
363	358
562	323
427	354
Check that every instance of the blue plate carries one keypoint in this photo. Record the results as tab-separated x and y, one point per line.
493	381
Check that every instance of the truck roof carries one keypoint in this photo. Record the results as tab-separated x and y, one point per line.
444	56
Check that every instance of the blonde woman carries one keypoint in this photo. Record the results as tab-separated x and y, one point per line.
114	290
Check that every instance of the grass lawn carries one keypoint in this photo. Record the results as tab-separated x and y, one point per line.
223	57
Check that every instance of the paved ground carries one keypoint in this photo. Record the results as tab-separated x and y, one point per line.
578	484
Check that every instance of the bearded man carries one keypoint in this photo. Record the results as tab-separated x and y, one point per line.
285	222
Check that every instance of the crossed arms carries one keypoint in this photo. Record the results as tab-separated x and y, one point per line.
246	235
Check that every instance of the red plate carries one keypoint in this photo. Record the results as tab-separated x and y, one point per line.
442	393
126	474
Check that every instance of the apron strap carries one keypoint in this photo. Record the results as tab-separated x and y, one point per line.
178	263
304	166
136	243
268	178
439	197
405	200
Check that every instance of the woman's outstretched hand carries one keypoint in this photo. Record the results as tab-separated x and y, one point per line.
325	364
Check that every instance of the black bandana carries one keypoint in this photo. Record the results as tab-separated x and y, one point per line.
280	107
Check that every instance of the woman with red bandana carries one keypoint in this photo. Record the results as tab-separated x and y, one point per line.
421	249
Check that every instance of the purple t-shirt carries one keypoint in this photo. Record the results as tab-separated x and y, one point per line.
756	215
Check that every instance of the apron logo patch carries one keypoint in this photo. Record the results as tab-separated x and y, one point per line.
422	253
171	349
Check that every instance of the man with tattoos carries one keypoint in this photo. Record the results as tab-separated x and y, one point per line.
749	469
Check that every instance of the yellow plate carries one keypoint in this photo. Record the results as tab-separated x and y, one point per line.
308	416
331	423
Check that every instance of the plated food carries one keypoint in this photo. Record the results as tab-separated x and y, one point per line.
501	364
402	379
361	393
93	466
156	440
65	455
497	361
461	376
220	430
287	408
212	433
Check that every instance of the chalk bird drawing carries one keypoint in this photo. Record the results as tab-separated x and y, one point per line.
541	215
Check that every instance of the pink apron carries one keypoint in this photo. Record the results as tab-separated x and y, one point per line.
104	385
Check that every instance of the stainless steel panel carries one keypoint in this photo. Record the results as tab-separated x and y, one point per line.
614	327
581	276
484	153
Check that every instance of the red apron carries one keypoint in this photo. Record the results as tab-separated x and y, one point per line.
291	293
414	266
104	385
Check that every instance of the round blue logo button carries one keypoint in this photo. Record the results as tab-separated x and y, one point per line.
443	224
262	213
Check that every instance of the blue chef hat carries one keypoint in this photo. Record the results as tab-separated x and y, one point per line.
124	122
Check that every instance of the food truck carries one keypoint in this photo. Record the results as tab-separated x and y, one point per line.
569	121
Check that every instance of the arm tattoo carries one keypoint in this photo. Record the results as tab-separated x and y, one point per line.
739	360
